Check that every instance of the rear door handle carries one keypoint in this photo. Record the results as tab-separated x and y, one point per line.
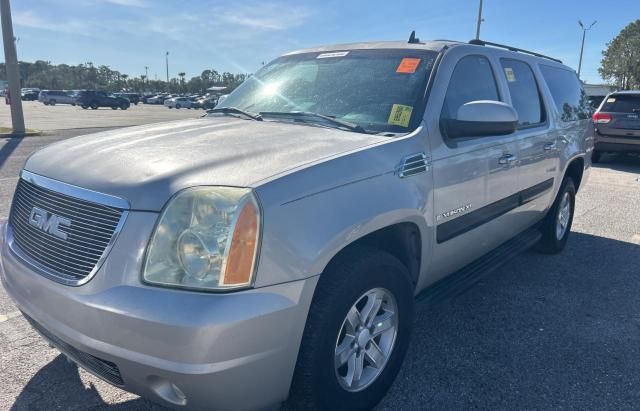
550	146
507	160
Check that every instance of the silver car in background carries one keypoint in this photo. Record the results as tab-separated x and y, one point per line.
272	250
53	97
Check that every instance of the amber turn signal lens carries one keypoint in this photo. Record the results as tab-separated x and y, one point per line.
240	262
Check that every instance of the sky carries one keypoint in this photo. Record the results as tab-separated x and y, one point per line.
237	36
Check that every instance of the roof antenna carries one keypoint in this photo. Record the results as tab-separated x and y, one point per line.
413	39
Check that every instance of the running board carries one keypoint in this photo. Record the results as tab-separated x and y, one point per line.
464	279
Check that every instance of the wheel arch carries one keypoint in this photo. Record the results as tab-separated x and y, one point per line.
403	240
575	170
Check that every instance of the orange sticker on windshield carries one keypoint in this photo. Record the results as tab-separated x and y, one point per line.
408	65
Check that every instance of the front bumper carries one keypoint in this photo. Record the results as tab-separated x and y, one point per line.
180	348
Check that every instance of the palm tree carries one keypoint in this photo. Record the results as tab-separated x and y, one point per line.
181	75
124	78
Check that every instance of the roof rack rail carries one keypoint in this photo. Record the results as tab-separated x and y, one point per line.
479	42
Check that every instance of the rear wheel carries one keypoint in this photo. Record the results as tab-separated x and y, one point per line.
178	106
84	107
357	333
94	106
124	106
52	102
556	225
114	108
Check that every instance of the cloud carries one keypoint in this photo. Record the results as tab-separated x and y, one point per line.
265	16
32	20
128	3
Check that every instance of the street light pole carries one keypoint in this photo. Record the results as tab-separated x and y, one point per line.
167	62
480	19
11	64
584	34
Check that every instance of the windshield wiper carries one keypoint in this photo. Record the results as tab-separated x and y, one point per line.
235	110
328	119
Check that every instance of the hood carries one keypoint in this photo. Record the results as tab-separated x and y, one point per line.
146	165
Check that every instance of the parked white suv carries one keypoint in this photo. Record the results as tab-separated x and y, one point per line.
273	248
53	97
178	102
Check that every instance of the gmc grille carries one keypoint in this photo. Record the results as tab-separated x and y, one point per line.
88	236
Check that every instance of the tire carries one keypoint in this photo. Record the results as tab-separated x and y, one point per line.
178	106
52	102
317	383
84	107
114	108
94	106
554	238
124	106
596	156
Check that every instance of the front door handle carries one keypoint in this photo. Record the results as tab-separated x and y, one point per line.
550	146
507	160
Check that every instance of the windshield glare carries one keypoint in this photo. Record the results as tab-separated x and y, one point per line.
375	89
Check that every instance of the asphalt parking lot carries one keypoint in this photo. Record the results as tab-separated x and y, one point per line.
541	332
64	116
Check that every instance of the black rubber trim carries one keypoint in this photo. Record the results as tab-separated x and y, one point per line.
467	222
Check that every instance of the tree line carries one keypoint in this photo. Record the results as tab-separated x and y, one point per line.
44	75
620	64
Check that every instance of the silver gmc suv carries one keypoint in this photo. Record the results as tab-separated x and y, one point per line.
271	250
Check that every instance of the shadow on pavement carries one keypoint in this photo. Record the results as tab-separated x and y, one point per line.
620	162
560	331
9	147
58	386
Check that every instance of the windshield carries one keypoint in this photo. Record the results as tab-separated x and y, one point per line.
374	89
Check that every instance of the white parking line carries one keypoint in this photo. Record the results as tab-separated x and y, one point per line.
636	239
5	317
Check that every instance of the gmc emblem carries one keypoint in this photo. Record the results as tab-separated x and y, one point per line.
48	222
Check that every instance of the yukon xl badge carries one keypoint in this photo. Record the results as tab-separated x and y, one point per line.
48	222
453	212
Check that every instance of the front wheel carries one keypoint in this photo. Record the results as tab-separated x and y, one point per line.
556	225
124	106
94	106
357	333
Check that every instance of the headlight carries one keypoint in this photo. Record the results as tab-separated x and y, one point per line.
206	238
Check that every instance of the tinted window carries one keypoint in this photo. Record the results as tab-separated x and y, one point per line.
472	80
523	88
570	99
622	103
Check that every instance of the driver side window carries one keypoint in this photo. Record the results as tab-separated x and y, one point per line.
472	80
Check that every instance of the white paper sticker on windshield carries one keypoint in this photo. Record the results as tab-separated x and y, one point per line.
611	100
331	55
511	77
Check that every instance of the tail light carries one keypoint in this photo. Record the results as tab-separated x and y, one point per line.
601	118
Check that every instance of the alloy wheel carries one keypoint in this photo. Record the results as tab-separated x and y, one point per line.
366	339
564	215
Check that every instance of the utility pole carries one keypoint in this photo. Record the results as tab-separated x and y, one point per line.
584	34
480	20
11	64
167	62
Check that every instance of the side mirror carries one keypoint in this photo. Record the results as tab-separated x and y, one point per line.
482	118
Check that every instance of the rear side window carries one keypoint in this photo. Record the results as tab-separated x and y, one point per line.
523	88
472	80
622	103
567	93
